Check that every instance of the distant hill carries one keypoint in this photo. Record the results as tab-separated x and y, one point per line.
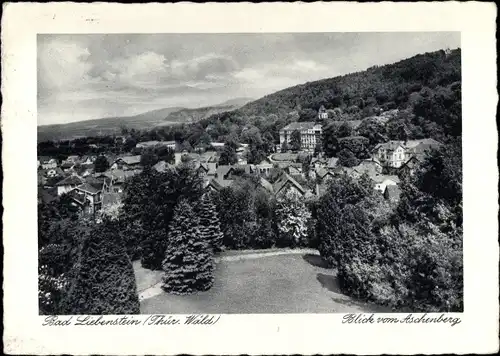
236	102
144	121
195	115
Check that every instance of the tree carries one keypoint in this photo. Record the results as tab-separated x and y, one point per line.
347	158
103	281
209	223
150	198
317	150
101	164
228	155
148	159
292	218
188	263
295	143
342	223
330	140
284	146
356	144
344	130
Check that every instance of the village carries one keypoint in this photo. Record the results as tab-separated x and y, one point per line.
304	171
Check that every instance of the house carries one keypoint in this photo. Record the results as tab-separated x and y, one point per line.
47	162
127	162
322	113
369	167
149	144
317	162
238	169
285	183
394	154
67	166
87	197
54	172
420	148
73	159
87	160
324	174
216	184
382	181
68	184
117	179
310	134
392	193
409	167
264	167
162	166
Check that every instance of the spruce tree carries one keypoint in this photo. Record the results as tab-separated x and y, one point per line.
188	262
103	280
210	223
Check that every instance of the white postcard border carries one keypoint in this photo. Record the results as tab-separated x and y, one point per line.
251	334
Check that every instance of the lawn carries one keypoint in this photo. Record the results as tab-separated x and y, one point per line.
295	283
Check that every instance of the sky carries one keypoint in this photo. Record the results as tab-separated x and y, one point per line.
91	76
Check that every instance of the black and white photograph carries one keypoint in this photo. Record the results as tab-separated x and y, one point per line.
249	173
250	178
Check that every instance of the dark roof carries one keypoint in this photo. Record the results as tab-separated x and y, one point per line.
78	197
281	182
89	188
71	180
130	159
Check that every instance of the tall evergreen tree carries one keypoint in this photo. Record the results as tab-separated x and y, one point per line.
103	280
210	223
188	262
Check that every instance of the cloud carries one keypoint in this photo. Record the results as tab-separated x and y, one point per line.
62	65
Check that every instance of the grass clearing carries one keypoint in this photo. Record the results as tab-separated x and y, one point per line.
295	283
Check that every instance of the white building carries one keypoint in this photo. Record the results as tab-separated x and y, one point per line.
310	134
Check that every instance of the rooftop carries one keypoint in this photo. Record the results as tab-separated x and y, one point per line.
305	125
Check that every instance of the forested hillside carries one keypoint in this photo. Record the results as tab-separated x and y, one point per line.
361	94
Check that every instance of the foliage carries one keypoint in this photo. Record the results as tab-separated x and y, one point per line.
347	158
209	222
228	155
101	164
295	141
150	198
292	218
103	281
188	263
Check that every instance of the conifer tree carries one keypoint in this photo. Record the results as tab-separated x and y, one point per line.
210	223
188	262
103	280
